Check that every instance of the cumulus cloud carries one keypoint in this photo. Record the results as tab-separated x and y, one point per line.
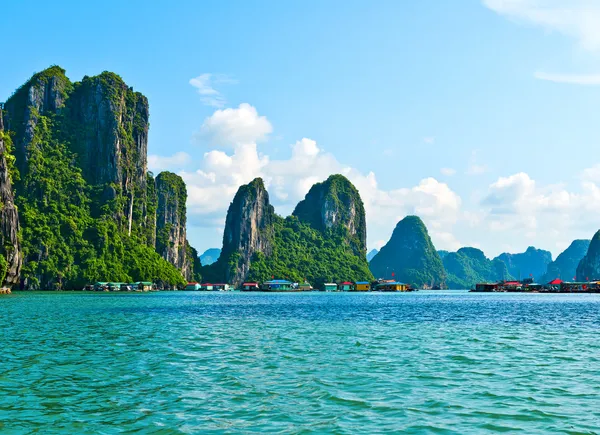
519	207
212	186
205	85
575	18
162	163
234	126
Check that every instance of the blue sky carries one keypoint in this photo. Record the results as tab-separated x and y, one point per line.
479	116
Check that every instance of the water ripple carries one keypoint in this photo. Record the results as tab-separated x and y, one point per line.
181	363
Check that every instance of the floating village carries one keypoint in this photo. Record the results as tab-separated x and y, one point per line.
381	285
275	285
529	286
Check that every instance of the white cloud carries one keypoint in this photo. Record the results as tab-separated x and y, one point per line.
575	18
429	140
574	79
162	163
231	127
513	212
518	206
448	171
212	186
205	83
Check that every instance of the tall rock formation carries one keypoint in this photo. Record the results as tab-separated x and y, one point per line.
533	262
9	217
410	256
87	205
565	265
335	204
113	154
588	268
171	239
469	266
248	230
326	245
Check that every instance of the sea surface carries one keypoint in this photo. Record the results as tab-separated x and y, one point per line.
310	363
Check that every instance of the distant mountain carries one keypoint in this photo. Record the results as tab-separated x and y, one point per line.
531	262
372	254
468	266
589	266
410	256
442	253
565	265
210	256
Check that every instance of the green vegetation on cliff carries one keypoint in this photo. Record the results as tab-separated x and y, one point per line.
469	266
565	265
321	241
410	256
83	211
588	268
301	252
531	263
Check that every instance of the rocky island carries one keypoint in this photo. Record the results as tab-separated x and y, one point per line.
79	204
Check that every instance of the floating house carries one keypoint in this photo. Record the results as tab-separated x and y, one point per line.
330	287
511	286
305	287
192	286
101	286
277	285
250	287
486	287
392	287
115	286
144	286
346	286
206	287
220	287
362	286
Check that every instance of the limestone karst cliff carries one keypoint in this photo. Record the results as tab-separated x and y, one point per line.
336	204
171	236
87	204
10	248
589	266
469	266
565	265
531	263
409	256
327	245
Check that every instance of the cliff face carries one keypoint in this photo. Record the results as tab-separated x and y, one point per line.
469	266
171	241
248	230
322	245
336	204
87	205
113	154
410	256
531	262
565	265
9	217
589	266
45	93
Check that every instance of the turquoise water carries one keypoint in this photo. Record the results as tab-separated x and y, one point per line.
426	362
